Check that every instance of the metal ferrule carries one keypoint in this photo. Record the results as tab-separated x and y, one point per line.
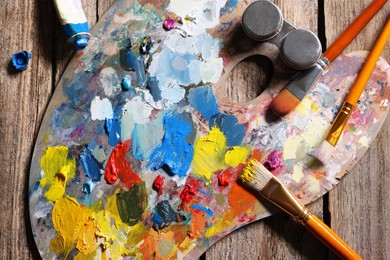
301	84
276	193
339	123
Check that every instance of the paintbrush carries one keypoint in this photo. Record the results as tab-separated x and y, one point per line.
325	150
290	97
256	176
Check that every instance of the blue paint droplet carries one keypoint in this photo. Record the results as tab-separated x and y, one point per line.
229	125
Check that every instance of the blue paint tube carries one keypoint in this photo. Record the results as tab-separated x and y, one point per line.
74	22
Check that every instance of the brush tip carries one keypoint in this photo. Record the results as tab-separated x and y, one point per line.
255	175
324	152
284	103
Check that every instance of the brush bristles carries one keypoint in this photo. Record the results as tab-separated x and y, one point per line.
255	175
324	152
284	103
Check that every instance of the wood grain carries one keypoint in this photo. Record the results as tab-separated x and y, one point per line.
32	25
360	205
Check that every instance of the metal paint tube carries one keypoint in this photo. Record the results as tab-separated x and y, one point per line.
74	22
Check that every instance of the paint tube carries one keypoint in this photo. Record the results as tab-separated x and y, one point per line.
74	22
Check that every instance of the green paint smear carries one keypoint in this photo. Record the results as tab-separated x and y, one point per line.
131	204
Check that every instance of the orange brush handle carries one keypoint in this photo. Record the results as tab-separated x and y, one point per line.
353	29
369	65
330	238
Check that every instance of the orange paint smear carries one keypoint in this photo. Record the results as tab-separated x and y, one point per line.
318	175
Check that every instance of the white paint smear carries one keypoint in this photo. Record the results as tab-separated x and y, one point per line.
136	111
101	109
297	173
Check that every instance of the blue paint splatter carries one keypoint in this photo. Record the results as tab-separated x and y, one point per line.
229	125
90	165
174	152
203	100
202	208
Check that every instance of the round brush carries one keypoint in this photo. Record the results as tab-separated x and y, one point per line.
325	150
290	97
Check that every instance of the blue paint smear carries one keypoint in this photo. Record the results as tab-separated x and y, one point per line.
203	100
113	129
127	59
229	125
174	65
163	214
140	71
174	152
154	89
88	187
230	5
145	144
202	208
91	166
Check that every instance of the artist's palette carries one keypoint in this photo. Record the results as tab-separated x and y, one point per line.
150	172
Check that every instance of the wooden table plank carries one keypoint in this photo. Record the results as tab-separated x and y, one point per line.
26	25
360	204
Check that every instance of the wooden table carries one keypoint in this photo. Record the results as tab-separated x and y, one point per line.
358	209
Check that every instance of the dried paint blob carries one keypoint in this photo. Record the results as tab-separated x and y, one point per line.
169	24
20	60
158	183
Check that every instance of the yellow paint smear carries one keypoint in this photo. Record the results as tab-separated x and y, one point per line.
236	155
74	224
208	153
58	169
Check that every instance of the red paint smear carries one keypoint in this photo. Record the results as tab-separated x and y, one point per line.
158	183
119	168
188	193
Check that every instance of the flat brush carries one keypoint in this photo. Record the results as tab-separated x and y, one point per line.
325	150
256	176
290	97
